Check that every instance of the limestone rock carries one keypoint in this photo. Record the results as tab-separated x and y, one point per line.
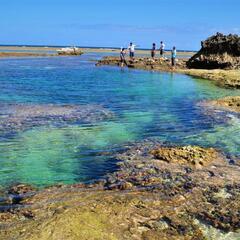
218	51
188	155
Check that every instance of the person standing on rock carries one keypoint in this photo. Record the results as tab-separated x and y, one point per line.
153	51
162	47
173	56
131	49
122	57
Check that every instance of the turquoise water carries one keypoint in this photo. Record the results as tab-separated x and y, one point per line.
144	105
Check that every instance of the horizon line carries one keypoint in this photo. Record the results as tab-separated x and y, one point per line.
91	47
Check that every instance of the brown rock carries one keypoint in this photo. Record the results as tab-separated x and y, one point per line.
189	155
218	51
21	189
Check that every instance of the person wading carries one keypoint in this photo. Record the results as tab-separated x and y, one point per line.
122	57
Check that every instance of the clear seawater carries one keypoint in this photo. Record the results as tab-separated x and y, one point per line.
145	105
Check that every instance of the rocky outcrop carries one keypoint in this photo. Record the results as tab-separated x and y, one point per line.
193	156
150	164
144	63
219	51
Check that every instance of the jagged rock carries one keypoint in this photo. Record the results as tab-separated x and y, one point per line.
218	51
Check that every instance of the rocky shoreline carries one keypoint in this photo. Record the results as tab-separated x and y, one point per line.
144	63
158	192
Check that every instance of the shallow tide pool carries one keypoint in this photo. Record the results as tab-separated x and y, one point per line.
143	105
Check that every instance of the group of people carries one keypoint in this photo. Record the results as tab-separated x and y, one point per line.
161	49
131	49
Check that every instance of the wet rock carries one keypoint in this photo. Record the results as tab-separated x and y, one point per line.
17	193
125	186
21	189
218	51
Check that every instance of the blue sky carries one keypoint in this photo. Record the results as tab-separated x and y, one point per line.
183	23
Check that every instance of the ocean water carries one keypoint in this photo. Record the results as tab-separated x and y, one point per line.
143	104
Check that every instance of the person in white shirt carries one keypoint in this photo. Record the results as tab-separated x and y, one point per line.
162	47
131	49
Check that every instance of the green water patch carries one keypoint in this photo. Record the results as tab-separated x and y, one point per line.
137	117
45	156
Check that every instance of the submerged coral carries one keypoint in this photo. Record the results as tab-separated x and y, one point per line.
23	116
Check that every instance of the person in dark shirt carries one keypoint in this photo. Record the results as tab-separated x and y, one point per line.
122	57
153	51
